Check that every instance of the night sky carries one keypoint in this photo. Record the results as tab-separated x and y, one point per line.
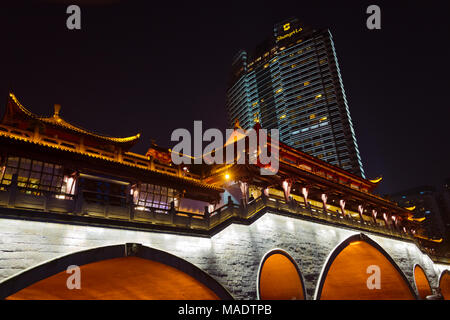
143	66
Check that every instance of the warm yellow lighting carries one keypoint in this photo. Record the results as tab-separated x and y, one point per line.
428	239
416	219
376	180
283	116
306	83
410	208
227	176
288	35
318	96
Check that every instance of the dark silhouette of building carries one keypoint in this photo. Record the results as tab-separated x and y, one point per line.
431	205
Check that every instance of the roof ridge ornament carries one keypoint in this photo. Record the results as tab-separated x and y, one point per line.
57	120
236	124
376	180
57	108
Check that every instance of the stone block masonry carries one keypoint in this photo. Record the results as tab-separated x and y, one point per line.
232	256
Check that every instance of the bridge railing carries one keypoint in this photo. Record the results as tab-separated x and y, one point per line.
318	213
15	197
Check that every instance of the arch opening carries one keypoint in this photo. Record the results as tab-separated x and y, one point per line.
422	284
444	284
359	269
121	272
279	278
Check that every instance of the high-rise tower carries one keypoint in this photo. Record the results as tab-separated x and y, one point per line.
292	82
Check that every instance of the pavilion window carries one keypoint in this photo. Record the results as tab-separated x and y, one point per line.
68	188
155	196
33	176
103	192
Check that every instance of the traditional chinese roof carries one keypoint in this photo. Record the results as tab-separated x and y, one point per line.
16	112
293	157
159	153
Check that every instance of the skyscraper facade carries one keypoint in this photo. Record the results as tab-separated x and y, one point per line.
292	82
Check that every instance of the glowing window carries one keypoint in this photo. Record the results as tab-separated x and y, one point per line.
33	176
154	196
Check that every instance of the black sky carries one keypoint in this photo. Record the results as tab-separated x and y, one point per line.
152	67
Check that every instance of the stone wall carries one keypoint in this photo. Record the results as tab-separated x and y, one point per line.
232	256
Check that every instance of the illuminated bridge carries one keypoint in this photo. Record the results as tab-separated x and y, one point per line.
141	227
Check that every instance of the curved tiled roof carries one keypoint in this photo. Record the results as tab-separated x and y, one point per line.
58	121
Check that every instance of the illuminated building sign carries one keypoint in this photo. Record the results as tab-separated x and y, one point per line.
287	27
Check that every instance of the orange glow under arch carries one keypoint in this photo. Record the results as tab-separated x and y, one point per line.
347	275
279	278
422	283
120	279
444	284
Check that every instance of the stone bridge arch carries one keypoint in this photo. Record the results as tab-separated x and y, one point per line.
421	282
149	274
444	284
279	277
346	272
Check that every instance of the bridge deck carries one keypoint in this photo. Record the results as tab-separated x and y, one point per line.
19	205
